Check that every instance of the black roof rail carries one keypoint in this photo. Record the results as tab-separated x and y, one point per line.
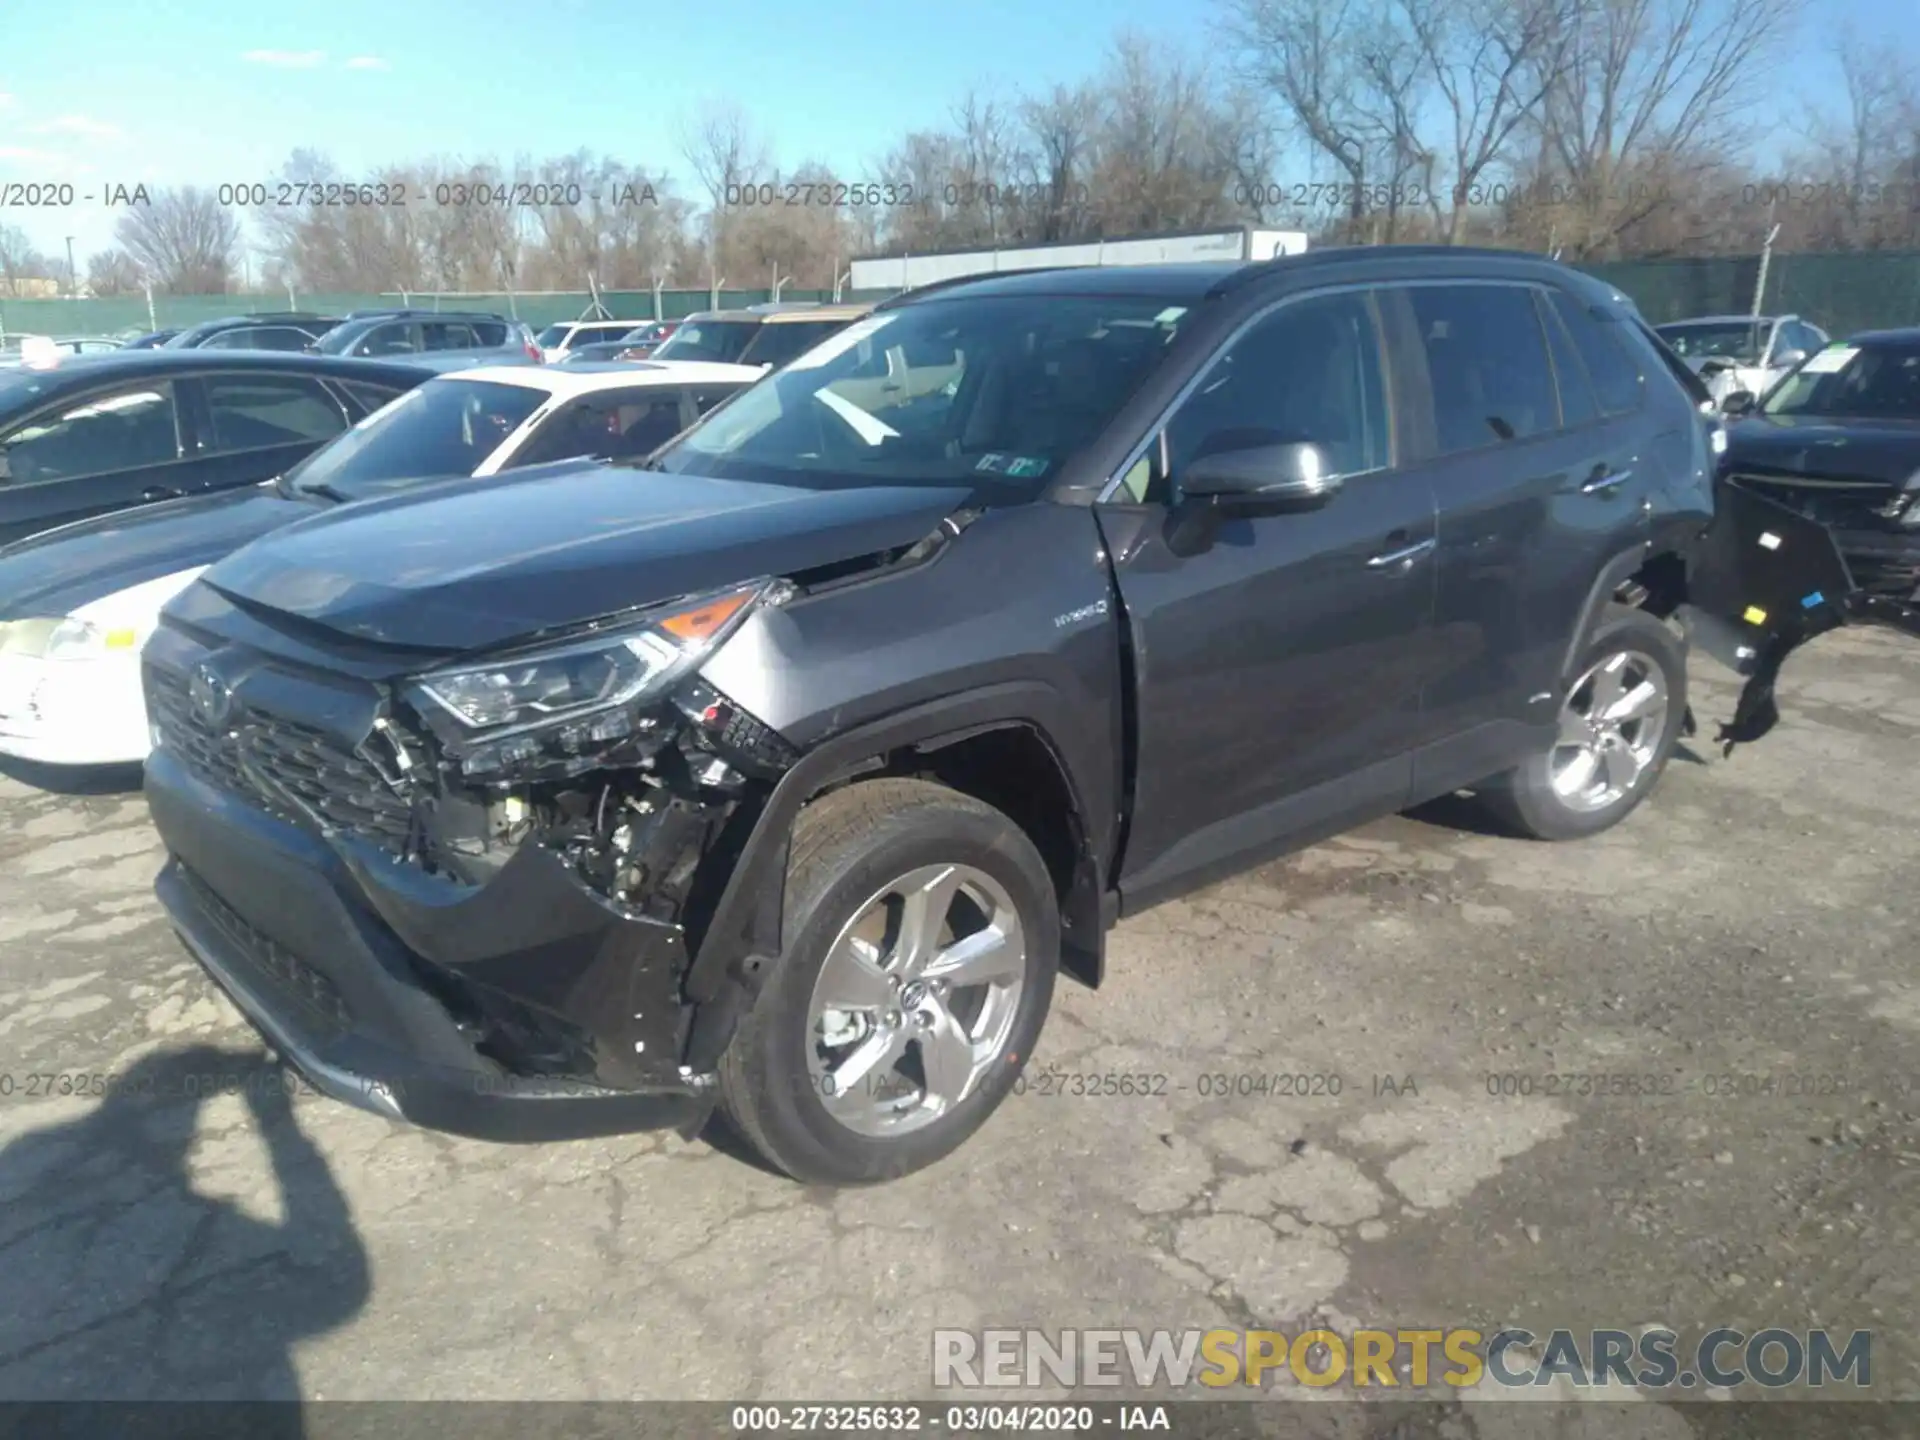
1258	269
933	286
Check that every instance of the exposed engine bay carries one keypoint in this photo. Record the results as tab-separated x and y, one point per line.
631	816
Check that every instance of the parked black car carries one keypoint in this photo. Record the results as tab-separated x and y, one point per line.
783	770
152	340
98	434
1839	439
294	330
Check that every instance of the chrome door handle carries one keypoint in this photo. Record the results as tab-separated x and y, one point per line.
1403	557
1602	481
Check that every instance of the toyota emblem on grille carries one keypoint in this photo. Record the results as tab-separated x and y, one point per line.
211	696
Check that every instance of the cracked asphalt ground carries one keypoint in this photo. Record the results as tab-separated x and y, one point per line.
1757	918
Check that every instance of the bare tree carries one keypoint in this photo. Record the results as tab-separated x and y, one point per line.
729	161
1491	62
19	260
112	272
1061	125
1641	99
1305	55
184	238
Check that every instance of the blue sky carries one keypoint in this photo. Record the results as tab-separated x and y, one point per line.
102	91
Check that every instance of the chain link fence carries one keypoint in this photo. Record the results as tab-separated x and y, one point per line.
1839	292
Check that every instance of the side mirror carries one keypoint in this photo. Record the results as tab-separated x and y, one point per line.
1737	402
1280	479
1787	359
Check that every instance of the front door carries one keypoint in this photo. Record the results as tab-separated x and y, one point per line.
1277	668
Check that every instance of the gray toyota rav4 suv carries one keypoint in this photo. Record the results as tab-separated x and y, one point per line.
781	771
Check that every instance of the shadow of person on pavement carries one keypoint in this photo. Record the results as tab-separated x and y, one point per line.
126	1280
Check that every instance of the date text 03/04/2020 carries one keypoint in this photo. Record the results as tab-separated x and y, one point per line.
1033	1419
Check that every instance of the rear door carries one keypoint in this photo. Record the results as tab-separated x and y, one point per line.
88	454
1539	489
1276	671
251	426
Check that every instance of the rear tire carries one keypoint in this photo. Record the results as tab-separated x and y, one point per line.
887	879
1598	769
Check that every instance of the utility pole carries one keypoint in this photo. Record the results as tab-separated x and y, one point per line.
1766	260
73	278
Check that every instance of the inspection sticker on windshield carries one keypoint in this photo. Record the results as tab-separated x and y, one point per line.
1834	357
1021	467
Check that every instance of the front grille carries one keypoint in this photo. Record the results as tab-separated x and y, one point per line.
266	959
1830	501
288	769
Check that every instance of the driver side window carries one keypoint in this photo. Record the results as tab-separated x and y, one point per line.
1310	371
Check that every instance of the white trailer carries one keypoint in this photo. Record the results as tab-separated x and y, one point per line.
908	272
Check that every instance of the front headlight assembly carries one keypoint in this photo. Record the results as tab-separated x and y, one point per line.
66	638
558	707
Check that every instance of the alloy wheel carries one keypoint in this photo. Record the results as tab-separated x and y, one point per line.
1611	726
915	1000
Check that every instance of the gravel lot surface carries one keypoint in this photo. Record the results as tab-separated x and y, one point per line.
1757	919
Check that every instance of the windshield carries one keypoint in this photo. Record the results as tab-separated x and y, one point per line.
551	337
719	340
1725	340
985	390
1869	381
445	427
776	344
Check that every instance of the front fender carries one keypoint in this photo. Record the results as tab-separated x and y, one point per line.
744	934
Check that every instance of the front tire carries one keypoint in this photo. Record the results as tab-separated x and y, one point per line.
1618	724
922	937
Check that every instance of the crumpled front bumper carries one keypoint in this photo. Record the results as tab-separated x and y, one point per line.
525	1009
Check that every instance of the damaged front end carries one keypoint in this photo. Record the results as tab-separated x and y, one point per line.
531	832
1765	579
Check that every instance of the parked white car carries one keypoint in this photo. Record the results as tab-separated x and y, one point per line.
78	602
1743	352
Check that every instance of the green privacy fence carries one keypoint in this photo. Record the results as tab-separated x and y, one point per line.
131	313
1840	292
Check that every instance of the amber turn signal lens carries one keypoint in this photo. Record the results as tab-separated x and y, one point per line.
700	623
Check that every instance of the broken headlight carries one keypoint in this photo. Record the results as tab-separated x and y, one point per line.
560	704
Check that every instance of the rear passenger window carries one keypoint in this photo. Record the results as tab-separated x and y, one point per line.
1487	364
488	334
1577	405
252	413
1617	380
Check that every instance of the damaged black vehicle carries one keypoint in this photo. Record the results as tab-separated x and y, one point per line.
1839	440
781	772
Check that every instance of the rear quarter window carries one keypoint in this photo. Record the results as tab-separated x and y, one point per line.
1618	381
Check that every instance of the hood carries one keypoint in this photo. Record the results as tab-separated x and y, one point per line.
503	558
57	571
1886	451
